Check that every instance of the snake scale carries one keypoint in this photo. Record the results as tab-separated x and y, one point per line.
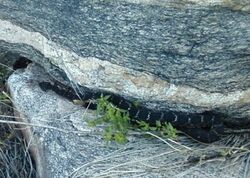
204	127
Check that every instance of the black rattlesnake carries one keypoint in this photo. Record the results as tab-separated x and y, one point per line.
204	127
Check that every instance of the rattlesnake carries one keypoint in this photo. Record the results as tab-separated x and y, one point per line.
204	127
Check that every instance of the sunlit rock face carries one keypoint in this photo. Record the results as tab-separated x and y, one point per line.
190	56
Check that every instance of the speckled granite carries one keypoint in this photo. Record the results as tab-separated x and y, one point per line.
63	145
182	55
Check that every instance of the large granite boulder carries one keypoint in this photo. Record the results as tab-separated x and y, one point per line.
183	55
63	145
188	56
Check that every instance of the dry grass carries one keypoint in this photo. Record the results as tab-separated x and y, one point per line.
140	159
15	159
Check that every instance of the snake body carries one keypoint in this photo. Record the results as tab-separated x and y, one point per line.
204	127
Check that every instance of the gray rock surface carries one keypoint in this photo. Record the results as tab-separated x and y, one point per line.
188	55
185	45
64	146
57	126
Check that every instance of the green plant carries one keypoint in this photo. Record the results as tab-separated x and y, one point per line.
4	96
165	129
169	131
117	122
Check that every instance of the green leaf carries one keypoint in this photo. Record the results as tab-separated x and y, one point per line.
108	136
91	123
143	125
153	128
158	124
136	104
169	131
120	138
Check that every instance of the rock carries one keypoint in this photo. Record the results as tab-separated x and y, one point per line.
190	56
56	135
64	146
184	55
